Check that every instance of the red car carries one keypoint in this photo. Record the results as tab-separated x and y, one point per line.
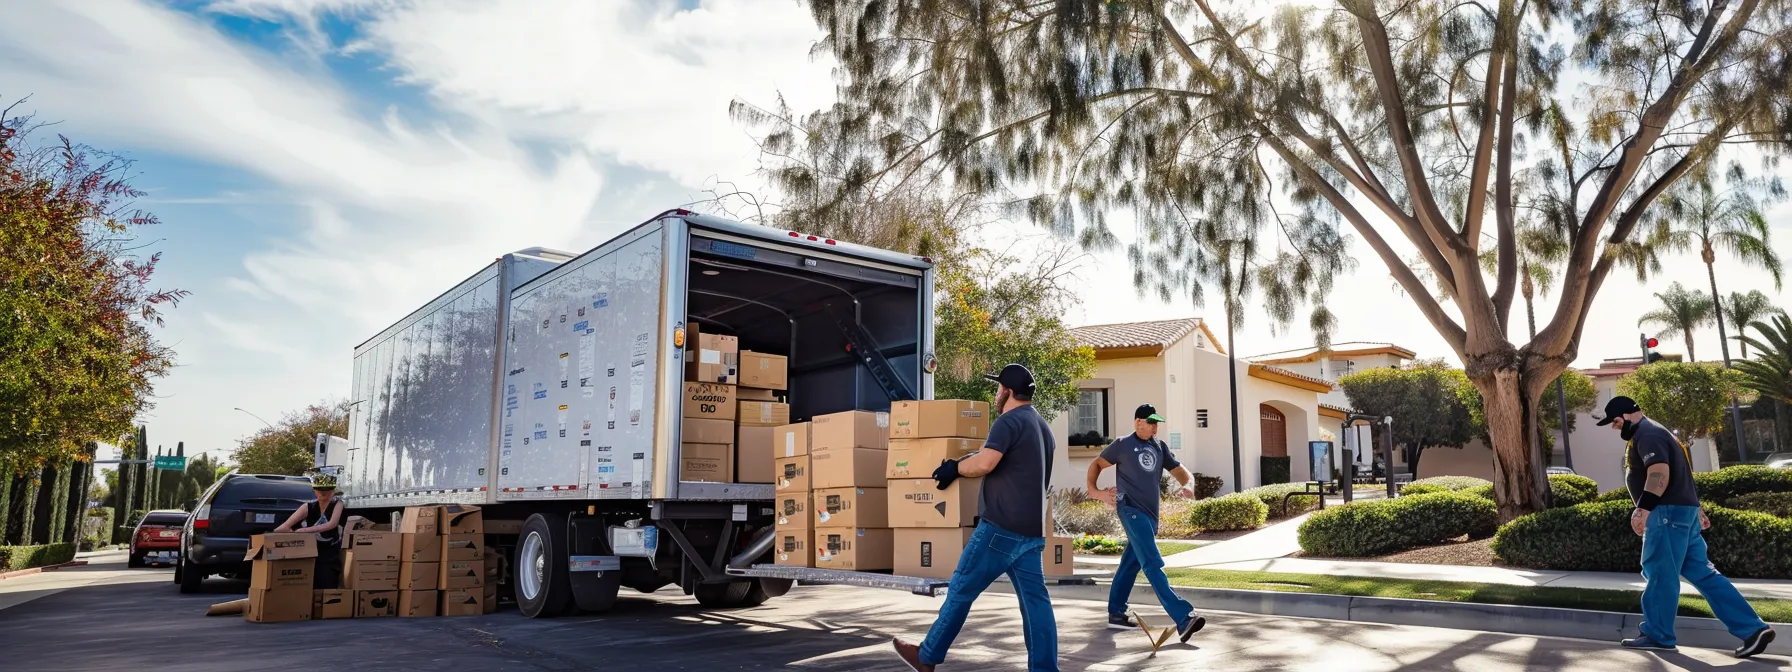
157	539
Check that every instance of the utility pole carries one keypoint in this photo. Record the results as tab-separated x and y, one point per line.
1232	373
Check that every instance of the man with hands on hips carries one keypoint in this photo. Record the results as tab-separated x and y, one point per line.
1139	460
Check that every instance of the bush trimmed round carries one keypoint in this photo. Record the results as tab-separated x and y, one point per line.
1571	489
1449	482
1746	479
1614	495
1237	511
1482	491
1272	497
1771	503
1597	537
1380	527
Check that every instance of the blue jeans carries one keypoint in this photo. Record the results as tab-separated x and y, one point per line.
1673	548
1141	554
992	552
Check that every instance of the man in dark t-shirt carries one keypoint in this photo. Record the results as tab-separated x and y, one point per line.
1016	465
1139	461
1670	520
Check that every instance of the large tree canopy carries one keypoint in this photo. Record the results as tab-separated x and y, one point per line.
288	447
1245	138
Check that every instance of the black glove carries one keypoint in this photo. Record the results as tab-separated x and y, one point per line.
946	473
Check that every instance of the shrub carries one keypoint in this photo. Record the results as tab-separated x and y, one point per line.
1099	545
1614	495
1271	495
1597	537
1417	488
1771	503
1746	479
1482	491
14	558
1380	527
1449	482
1237	511
1276	470
1207	486
1750	544
1173	521
1570	489
1090	517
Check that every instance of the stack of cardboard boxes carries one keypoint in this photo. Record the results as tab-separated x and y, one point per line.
281	567
848	502
370	570
731	407
932	525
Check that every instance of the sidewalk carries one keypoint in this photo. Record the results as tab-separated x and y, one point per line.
102	567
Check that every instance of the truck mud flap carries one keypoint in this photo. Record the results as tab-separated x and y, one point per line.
594	574
840	577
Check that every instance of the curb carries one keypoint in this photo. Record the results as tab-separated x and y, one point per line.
45	568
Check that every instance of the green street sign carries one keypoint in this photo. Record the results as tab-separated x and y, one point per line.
171	463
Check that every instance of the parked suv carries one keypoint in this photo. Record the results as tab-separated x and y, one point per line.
234	509
157	538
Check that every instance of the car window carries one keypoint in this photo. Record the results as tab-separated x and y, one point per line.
165	519
251	490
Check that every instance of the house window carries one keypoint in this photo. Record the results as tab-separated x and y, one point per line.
1091	413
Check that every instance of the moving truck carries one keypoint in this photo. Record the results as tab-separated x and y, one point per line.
548	387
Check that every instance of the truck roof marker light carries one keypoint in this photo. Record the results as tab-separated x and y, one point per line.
830	241
794	234
813	238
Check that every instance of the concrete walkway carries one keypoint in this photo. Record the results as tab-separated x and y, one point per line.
1755	588
103	567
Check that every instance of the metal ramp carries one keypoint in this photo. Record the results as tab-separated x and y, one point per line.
809	575
865	348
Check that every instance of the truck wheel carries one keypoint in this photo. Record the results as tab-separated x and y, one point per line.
542	588
191	578
775	587
731	595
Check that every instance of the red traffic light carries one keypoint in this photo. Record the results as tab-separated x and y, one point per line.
1653	342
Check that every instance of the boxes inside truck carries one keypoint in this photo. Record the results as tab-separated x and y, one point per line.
764	371
753	455
852	429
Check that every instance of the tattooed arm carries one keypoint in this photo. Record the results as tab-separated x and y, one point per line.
1656	483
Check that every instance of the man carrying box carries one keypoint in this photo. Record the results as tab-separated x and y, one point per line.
1139	460
1016	465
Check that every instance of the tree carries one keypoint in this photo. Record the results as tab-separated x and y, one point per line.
986	317
1769	373
286	448
1413	120
1742	310
1730	219
1681	313
1422	398
1688	398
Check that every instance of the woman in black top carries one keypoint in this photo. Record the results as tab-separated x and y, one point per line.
321	517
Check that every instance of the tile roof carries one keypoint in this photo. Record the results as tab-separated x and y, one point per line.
1341	349
1135	334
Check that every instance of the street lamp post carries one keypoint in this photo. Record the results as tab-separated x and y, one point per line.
257	417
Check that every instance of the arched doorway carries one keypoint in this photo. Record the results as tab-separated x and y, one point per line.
1274	431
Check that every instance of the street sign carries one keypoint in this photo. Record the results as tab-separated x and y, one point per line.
171	463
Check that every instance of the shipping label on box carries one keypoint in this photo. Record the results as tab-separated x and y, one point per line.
792	474
419	575
794	548
420	547
333	603
462	519
930	552
703	430
939	419
851	467
764	414
421	520
852	429
709	401
857	549
279	605
917	458
281	546
416	603
791	510
376	603
1059	558
278	574
461	574
463	601
917	502
463	547
852	507
369	575
717	360
371	545
791	440
763	371
711	462
753	455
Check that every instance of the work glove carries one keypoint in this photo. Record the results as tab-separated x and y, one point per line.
946	473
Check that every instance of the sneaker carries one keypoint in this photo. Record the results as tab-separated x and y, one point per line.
1756	643
1190	627
910	653
1122	622
1645	643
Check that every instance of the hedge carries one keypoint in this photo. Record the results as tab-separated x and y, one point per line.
1614	495
1448	483
1570	489
14	558
1237	511
1597	537
1379	527
1731	482
1771	503
1272	495
1090	517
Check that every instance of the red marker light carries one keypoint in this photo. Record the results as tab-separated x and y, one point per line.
1653	342
829	241
813	238
794	234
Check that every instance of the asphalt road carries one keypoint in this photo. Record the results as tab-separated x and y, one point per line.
104	618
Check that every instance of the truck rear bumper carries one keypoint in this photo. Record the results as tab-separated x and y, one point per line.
810	575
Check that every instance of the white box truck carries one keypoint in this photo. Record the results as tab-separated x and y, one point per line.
546	388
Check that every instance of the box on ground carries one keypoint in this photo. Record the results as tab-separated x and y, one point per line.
368	575
416	603
791	474
281	546
278	605
791	440
462	519
847	467
1059	557
374	545
461	574
282	574
419	575
425	520
420	547
717	360
764	413
918	502
791	510
333	603
917	458
463	547
463	601
709	401
764	371
794	548
376	603
713	462
753	455
930	552
852	507
859	549
852	429
939	419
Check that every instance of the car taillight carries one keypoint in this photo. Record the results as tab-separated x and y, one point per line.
202	518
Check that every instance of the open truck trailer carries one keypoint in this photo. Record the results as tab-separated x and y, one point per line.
546	388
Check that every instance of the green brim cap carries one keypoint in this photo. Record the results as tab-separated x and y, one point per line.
1155	418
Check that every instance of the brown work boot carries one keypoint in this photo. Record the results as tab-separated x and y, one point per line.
910	653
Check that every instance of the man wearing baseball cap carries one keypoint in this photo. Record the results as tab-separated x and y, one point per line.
1016	465
1139	460
1670	520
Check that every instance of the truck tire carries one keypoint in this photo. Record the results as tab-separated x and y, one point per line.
542	587
191	578
731	595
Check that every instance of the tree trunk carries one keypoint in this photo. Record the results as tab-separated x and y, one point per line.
1519	482
6	479
58	520
1690	357
28	512
1414	452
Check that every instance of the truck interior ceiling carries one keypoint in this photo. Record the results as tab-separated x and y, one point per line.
826	314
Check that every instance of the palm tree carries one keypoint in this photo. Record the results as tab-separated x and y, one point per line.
1700	214
1742	310
1682	312
1769	374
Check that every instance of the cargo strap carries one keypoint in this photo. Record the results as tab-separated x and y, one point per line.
864	347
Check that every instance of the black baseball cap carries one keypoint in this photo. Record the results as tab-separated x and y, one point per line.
1616	407
1014	377
1148	413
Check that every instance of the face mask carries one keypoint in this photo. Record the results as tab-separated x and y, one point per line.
1628	430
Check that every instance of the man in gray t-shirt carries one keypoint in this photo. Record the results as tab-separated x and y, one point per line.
1139	461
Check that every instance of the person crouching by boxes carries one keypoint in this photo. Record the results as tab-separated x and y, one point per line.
321	517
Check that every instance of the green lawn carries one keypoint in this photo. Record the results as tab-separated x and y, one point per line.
1168	548
1624	601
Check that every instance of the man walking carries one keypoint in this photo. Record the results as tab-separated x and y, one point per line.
1016	465
1139	461
1670	521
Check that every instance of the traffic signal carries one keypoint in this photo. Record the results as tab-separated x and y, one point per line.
1650	356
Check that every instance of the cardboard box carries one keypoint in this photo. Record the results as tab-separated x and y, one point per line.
419	575
850	467
917	502
1059	557
462	519
917	458
791	474
709	401
693	332
327	604
489	599
296	573
376	603
857	549
753	455
368	575
717	360
939	419
712	462
421	520
420	547
704	430
372	545
462	547
791	511
416	603
794	548
463	602
281	546
852	429
763	371
461	574
278	605
764	413
744	393
791	440
852	507
930	552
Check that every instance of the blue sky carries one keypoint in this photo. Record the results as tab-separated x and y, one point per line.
321	167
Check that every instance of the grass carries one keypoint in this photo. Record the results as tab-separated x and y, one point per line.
1622	601
1168	548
